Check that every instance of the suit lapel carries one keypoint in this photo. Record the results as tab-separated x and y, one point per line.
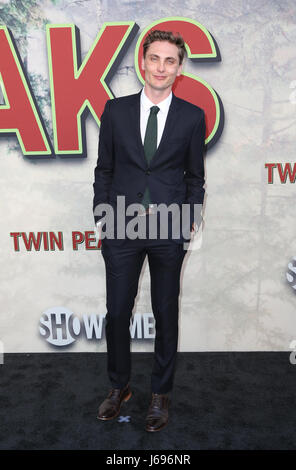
136	129
169	125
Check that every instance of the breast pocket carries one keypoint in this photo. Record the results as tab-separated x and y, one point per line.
176	144
178	140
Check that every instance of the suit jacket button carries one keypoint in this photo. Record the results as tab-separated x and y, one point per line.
148	172
140	194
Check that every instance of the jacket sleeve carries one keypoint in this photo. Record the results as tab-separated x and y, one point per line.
103	173
194	171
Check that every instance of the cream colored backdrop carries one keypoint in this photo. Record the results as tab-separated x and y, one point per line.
235	295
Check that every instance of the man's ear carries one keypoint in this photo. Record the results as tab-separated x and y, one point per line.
180	70
143	63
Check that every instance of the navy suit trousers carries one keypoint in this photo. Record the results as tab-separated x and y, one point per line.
123	261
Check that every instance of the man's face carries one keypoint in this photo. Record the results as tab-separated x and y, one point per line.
161	65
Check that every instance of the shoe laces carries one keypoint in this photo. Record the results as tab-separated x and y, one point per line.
114	393
156	400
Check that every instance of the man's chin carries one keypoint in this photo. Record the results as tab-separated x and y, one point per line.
161	86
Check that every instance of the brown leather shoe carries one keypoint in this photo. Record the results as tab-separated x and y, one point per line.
110	407
158	413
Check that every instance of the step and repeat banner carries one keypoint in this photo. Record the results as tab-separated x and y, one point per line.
60	60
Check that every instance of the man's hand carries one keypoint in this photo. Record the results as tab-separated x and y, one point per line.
98	231
194	227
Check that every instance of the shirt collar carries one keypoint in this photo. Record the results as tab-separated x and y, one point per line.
163	105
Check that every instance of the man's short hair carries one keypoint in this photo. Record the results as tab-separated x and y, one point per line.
157	35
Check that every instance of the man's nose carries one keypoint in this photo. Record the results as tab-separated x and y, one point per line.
161	66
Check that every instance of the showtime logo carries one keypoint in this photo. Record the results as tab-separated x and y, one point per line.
60	327
291	273
78	87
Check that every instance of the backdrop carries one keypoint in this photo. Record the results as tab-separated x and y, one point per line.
61	59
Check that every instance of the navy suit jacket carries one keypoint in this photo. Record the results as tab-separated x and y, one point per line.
175	173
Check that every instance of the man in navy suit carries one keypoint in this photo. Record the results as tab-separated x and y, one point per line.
151	153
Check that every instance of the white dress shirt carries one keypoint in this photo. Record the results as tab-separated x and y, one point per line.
161	115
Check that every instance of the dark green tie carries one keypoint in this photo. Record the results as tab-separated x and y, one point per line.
150	146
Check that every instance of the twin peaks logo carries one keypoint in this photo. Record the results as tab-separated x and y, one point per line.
78	87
